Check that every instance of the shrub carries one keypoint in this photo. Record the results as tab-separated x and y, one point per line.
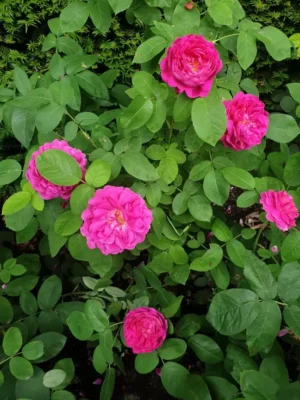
175	230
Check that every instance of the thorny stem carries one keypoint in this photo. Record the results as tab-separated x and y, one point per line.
263	227
87	137
225	37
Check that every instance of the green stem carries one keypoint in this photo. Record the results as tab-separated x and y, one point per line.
83	132
170	130
263	227
225	37
282	304
9	358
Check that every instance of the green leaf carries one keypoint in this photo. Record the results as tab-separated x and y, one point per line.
62	92
249	87
221	13
221	276
172	309
178	254
274	367
92	84
289	282
119	5
182	108
291	315
28	303
221	231
100	14
149	49
233	310
200	208
145	363
106	342
239	178
196	389
294	89
145	172
216	188
180	203
10	170
79	325
199	171
238	360
185	21
33	350
48	117
174	377
37	202
264	329
236	252
21	81
77	63
283	128
23	124
74	16
16	202
54	378
107	388
12	341
158	116
290	250
292	170
276	42
98	173
246	49
49	42
62	395
56	242
188	325
15	287
221	389
49	293
66	365
137	113
247	199
209	118
57	66
168	169
210	259
67	224
59	168
33	388
6	313
206	349
259	277
99	362
21	368
172	349
257	386
153	194
80	197
96	316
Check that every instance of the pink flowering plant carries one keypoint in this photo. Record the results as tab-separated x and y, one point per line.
153	224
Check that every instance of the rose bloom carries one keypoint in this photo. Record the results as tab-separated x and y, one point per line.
191	65
115	220
145	330
247	122
280	208
46	189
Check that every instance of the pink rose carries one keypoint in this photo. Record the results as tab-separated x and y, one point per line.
115	220
46	189
280	208
247	122
145	330
191	65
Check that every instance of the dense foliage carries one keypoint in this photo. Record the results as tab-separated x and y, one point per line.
209	296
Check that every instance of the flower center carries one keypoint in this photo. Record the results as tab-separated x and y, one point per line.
119	217
194	64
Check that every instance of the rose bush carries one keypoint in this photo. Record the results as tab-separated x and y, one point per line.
159	219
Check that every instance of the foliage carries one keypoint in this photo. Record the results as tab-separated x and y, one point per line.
207	263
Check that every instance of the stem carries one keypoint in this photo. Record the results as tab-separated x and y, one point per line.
225	37
282	304
87	137
119	323
74	294
263	227
7	359
170	130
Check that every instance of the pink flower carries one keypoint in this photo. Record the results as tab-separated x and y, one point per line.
115	220
274	249
283	332
191	65
189	5
158	371
280	208
247	122
46	189
145	330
